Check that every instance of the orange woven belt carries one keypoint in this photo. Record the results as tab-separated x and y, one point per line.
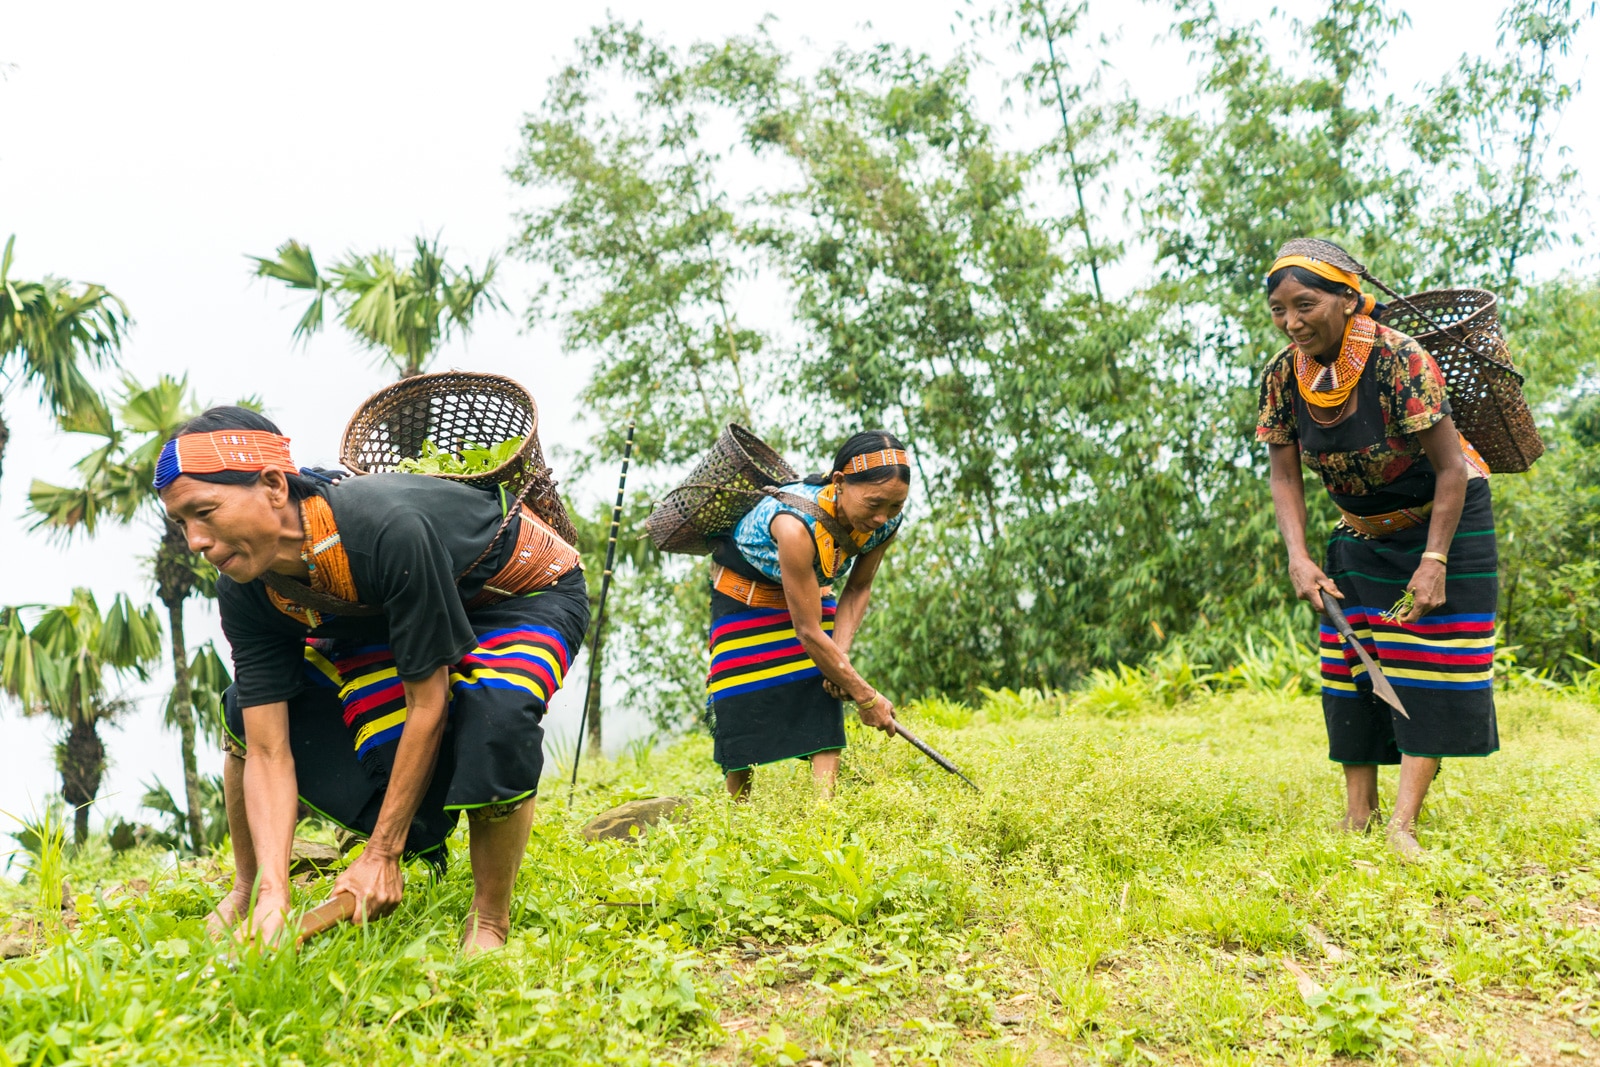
756	594
1406	518
1387	523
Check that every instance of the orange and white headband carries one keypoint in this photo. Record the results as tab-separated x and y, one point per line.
884	457
222	450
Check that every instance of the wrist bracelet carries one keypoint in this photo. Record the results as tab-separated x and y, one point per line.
1439	557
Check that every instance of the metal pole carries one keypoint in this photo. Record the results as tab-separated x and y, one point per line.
600	610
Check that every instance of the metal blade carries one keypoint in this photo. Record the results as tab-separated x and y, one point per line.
928	751
1380	684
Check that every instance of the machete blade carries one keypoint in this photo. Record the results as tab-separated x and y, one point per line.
1380	685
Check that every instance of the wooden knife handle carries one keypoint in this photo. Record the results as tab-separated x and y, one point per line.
1335	614
341	907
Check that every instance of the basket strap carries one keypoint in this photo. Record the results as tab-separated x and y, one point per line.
841	536
513	509
1461	334
306	596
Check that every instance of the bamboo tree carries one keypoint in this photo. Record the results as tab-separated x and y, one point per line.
640	244
1495	123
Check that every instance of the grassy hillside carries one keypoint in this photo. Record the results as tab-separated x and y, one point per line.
1162	887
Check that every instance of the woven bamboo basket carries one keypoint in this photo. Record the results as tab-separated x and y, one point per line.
1461	329
717	493
453	409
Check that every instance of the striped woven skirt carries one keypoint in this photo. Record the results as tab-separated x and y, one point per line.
764	693
346	723
1441	667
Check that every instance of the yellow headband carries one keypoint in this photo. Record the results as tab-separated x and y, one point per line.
1324	269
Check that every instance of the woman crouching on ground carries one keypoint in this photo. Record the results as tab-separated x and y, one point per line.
394	645
780	642
1365	407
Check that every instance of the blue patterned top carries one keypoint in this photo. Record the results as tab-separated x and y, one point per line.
753	535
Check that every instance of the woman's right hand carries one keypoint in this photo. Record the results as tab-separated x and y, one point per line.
1310	582
879	714
267	921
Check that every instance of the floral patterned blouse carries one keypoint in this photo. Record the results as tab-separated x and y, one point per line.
1374	453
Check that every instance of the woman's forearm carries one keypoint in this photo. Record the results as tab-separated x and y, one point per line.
271	804
851	611
1449	497
1289	499
415	756
833	662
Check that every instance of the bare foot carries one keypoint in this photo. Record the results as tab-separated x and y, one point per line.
483	934
229	910
1404	843
1357	824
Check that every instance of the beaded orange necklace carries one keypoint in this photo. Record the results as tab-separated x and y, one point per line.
1330	386
829	555
324	553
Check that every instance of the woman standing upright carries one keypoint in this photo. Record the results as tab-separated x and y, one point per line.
1365	407
780	642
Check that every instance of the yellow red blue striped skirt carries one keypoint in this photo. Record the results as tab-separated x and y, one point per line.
1441	667
346	724
764	693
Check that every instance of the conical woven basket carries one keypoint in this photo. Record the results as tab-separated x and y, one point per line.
1460	329
453	409
718	493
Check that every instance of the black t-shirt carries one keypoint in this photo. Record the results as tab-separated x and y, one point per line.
407	536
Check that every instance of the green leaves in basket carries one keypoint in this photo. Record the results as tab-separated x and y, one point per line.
471	460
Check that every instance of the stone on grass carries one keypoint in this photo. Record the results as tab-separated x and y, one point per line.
616	823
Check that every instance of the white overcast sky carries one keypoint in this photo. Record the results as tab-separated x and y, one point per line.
149	147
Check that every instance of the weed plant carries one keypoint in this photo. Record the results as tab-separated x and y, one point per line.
1128	888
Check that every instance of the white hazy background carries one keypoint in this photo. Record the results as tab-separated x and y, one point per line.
149	147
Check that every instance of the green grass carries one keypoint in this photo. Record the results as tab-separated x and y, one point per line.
1127	889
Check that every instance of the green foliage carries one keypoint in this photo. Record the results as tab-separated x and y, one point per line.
59	667
774	1049
116	482
1356	1020
471	459
44	842
401	311
641	243
158	798
49	336
1124	890
1086	482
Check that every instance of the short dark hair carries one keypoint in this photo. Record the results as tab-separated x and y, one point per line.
234	417
864	443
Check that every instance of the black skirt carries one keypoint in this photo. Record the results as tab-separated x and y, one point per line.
764	692
1441	667
345	725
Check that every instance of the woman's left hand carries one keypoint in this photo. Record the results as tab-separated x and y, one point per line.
1427	586
374	879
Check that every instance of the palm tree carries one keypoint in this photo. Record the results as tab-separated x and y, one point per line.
59	667
402	312
116	482
51	332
